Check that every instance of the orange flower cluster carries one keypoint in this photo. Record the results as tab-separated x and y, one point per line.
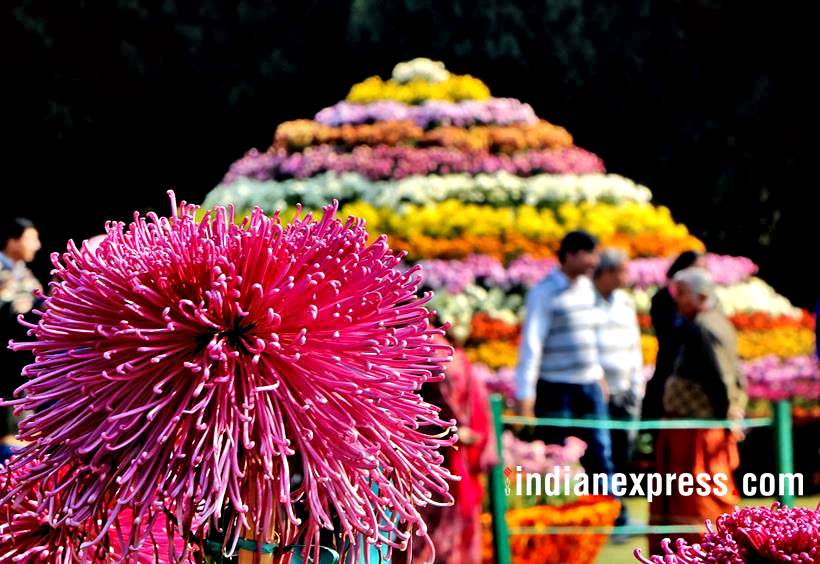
513	245
298	134
804	414
500	139
485	328
495	354
424	247
762	321
645	321
567	548
654	245
784	342
755	321
301	133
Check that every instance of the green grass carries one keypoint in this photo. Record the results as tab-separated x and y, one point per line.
639	511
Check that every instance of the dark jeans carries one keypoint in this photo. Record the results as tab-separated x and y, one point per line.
623	445
623	442
557	399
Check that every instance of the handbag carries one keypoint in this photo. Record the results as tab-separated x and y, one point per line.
685	398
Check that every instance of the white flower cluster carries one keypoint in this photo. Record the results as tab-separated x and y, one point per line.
751	296
499	189
460	308
420	68
747	297
755	295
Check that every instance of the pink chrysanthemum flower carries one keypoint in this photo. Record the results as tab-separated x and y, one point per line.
201	366
26	534
156	546
751	534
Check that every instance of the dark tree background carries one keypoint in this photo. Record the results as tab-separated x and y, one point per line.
110	103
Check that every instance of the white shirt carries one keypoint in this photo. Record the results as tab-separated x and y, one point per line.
559	335
619	344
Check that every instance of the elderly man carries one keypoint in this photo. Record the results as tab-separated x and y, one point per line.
619	350
559	373
706	382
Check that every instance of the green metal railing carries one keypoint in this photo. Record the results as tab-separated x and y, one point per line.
781	421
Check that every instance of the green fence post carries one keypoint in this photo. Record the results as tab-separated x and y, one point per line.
498	497
785	445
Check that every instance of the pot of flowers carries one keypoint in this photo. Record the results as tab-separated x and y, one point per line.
528	513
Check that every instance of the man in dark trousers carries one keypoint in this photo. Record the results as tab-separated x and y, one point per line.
559	370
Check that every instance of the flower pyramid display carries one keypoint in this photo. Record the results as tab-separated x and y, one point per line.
479	191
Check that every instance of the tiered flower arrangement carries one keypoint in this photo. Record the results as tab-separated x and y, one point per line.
479	191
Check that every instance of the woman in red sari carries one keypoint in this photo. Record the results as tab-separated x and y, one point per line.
456	530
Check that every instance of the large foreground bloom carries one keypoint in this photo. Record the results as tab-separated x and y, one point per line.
254	380
751	534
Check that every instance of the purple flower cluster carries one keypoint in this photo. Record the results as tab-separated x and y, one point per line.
501	381
393	163
725	270
773	378
750	534
769	378
455	275
500	111
537	457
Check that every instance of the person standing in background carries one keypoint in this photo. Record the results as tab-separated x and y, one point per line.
559	373
19	243
619	348
455	531
665	321
706	383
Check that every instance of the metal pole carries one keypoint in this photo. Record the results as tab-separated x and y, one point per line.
498	497
785	445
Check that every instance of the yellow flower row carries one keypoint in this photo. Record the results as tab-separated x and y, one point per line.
495	354
453	230
453	218
783	341
501	354
455	88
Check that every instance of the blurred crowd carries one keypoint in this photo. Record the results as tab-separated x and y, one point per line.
580	357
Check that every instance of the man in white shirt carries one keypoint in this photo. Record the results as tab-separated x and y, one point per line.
619	350
559	373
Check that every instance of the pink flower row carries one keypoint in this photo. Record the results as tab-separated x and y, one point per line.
455	275
500	111
393	163
769	378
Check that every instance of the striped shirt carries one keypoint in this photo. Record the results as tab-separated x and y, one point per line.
619	344
559	336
